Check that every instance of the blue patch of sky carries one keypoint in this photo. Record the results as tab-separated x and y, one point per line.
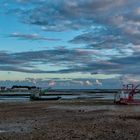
10	24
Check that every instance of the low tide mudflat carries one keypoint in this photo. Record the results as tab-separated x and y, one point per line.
69	120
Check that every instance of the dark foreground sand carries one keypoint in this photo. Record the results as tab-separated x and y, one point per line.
59	120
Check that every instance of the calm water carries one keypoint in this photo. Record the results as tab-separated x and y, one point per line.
82	95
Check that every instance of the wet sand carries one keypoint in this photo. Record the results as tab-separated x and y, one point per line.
69	120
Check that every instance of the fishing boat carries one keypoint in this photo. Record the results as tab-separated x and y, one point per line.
126	95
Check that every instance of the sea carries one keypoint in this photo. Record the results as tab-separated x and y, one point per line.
71	95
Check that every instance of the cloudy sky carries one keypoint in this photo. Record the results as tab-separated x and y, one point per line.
70	43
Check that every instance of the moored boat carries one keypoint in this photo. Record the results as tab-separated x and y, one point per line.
36	96
126	95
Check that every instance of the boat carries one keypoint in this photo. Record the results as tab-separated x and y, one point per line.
126	95
36	96
45	98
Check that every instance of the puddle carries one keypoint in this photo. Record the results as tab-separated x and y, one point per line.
15	127
2	131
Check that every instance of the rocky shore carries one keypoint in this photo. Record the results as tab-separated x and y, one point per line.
68	120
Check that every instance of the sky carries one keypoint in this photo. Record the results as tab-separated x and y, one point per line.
69	43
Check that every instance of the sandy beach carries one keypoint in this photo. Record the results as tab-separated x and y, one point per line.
68	120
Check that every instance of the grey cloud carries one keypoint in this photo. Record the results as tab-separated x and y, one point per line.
129	65
78	60
31	37
72	61
128	60
27	61
99	38
20	69
60	15
120	22
84	15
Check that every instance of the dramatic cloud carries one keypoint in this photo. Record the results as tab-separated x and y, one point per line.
72	60
110	22
99	37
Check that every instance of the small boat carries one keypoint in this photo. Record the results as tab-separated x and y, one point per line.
35	96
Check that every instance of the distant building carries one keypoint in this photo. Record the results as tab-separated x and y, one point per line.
15	87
